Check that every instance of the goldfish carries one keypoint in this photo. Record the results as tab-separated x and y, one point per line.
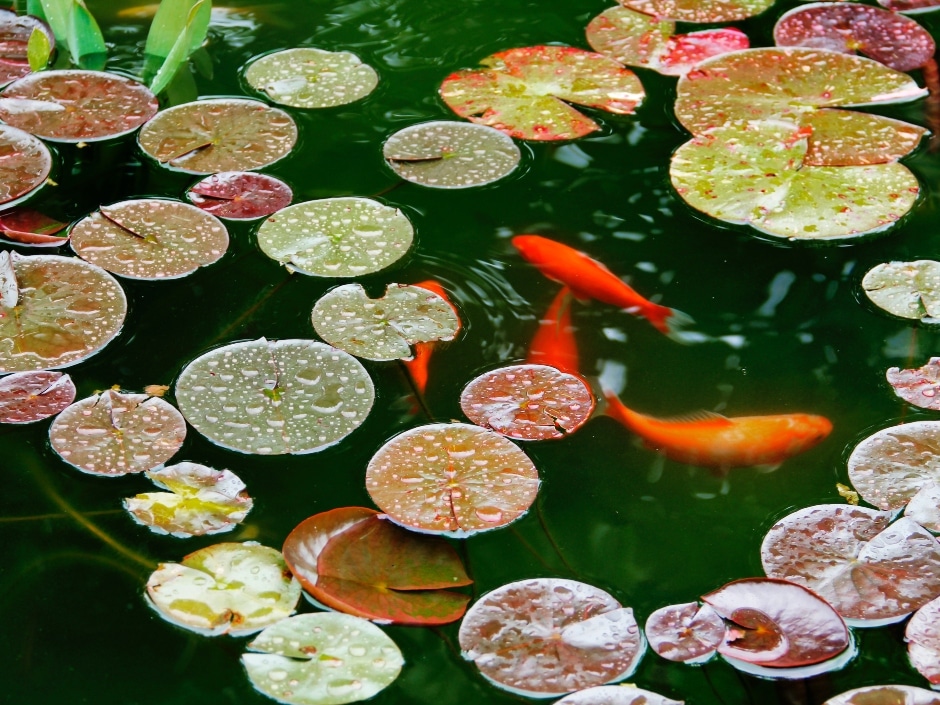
714	441
553	343
418	366
589	279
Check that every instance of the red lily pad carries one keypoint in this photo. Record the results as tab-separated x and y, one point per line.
885	695
910	6
699	10
625	694
353	560
553	343
240	195
452	478
871	572
25	226
777	624
15	31
689	633
25	164
636	39
894	40
923	641
77	106
525	92
528	402
920	387
32	396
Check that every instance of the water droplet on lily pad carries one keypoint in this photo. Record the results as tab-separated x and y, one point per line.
688	633
923	641
24	167
15	31
624	694
885	695
920	387
905	289
240	195
26	397
700	10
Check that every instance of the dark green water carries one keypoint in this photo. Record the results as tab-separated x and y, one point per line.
76	628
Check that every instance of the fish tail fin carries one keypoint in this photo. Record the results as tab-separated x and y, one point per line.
669	322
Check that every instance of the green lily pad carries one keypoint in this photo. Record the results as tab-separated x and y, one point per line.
311	78
447	154
63	311
885	695
699	10
336	237
275	397
116	433
525	92
849	138
322	659
24	167
227	588
26	397
385	328
219	134
200	501
905	289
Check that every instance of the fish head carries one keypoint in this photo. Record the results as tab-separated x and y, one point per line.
532	247
808	430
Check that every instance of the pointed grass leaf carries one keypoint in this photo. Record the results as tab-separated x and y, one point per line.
322	659
55	12
226	588
885	695
447	154
528	402
454	478
240	195
201	501
924	507
526	92
905	289
311	78
923	642
275	397
920	387
545	637
66	311
218	134
26	397
25	226
698	11
688	633
625	694
25	165
384	328
85	41
173	19
336	237
150	238
116	433
871	572
191	36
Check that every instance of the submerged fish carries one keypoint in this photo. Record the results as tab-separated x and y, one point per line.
418	365
589	279
553	343
714	441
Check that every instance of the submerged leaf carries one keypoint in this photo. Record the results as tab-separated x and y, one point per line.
689	633
923	641
626	694
240	195
24	167
26	397
885	695
699	10
920	387
905	289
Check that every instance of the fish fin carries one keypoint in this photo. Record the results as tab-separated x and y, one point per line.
670	322
699	417
767	467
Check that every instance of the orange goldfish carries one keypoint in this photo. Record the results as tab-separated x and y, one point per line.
553	343
718	442
418	366
589	279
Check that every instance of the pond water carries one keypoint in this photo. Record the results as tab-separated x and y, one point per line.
785	329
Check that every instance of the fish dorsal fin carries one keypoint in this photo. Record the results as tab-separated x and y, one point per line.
700	418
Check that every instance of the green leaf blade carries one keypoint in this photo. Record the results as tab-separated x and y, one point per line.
38	49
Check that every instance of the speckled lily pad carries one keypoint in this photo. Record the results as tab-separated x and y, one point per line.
885	695
26	397
923	642
24	167
25	226
688	633
240	195
920	387
910	6
15	32
624	694
700	10
924	507
905	289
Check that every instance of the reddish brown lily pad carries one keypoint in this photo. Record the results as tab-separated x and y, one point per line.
240	195
353	560
15	31
689	633
525	92
885	695
910	6
920	387
699	10
32	396
25	226
923	641
25	164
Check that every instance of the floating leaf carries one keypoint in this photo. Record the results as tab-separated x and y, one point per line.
114	433
528	402
219	134
336	237
28	227
699	10
275	397
548	636
626	694
25	45
910	6
920	387
849	138
451	478
227	588
311	78
150	238
77	106
905	289
689	633
637	39
240	195
885	695
447	154
322	659
525	92
385	328
353	560
67	310
32	396
25	165
9	288
923	642
924	507
869	571
200	501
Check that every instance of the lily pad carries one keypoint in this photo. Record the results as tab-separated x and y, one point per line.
637	39
777	624
322	659
548	636
923	642
353	560
77	106
849	138
336	237
892	39
451	478
26	397
626	694
385	328
116	433
418	366
528	402
910	6
525	92
227	588
240	195
311	78
200	501
25	164
689	633
28	227
885	695
15	31
871	572
920	387
699	10
219	134
447	154
275	397
905	289
924	507
63	311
